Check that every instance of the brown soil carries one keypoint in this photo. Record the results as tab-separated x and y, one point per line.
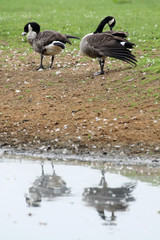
68	107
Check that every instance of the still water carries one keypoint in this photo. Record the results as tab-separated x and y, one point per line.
46	200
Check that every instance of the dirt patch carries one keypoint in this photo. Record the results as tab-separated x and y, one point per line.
68	107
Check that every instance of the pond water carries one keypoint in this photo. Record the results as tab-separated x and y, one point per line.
46	200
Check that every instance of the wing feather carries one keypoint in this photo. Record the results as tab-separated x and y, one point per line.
104	44
47	37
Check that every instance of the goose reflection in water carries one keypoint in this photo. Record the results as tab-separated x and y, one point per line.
46	186
104	198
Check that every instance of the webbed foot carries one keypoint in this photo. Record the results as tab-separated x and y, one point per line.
98	73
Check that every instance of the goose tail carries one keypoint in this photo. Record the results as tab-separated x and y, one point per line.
70	36
123	54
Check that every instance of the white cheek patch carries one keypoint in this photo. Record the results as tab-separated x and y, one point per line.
29	28
123	43
111	21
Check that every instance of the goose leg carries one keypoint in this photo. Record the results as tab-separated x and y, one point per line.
41	64
52	59
101	63
102	66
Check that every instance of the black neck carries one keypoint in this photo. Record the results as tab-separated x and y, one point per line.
102	24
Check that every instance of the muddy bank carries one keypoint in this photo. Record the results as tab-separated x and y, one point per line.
131	155
67	109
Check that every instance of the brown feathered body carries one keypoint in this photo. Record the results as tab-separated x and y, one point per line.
108	44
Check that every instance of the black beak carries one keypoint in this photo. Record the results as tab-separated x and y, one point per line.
24	34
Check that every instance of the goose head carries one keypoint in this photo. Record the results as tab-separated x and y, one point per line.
35	27
111	22
107	20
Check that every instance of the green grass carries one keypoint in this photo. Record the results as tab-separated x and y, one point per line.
80	17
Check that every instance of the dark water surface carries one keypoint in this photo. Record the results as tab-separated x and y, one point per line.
46	200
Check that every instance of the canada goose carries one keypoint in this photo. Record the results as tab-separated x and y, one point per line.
46	186
46	42
104	198
107	44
